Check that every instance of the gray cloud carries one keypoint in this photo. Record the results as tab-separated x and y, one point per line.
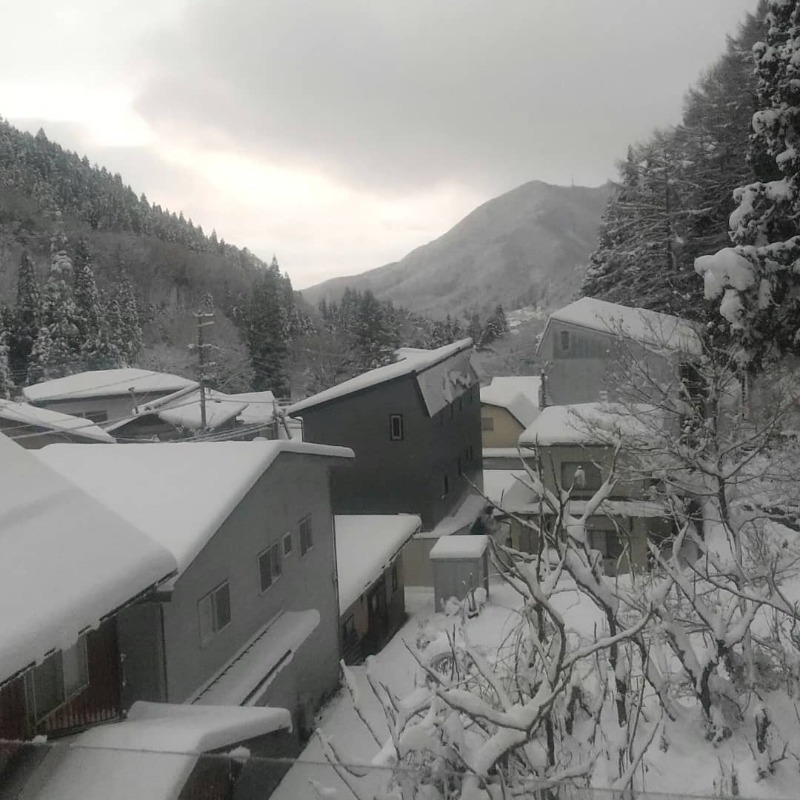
401	95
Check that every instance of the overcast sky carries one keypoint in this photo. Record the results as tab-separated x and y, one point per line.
340	134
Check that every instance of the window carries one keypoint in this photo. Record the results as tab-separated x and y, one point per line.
580	475
445	485
349	629
396	427
460	466
460	406
565	341
306	540
214	611
269	566
395	578
287	543
59	678
487	423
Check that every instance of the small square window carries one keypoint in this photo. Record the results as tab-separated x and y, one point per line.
396	431
487	423
214	612
306	536
269	566
565	341
287	544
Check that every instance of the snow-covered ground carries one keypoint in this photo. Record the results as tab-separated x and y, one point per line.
681	764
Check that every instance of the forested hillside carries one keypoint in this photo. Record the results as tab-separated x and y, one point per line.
676	190
93	276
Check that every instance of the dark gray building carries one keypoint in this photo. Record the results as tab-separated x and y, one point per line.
415	428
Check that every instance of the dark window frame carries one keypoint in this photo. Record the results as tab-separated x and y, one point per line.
396	428
564	340
270	557
287	540
306	535
216	606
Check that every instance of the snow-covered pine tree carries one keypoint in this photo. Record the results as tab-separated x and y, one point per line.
58	346
757	281
27	317
6	383
87	299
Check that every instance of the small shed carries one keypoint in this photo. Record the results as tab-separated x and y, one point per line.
460	564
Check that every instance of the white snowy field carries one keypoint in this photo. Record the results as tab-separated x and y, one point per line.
683	764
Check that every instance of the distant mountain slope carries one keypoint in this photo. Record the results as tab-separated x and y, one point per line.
529	246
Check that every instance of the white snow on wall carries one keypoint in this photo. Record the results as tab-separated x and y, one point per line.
519	395
365	546
27	414
151	754
641	325
459	548
411	361
268	652
590	423
179	494
69	561
106	383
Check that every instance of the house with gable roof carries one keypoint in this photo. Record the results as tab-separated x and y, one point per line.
414	426
33	427
252	615
104	396
573	447
508	406
580	350
72	567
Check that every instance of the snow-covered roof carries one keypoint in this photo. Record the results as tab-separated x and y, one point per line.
177	493
150	754
106	383
365	546
518	395
184	409
68	560
463	517
459	547
590	424
497	482
521	499
242	680
651	328
26	414
260	408
411	362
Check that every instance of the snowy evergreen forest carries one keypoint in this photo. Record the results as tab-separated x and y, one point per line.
675	191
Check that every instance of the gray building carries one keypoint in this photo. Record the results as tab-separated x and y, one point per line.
585	347
415	427
32	427
104	396
252	616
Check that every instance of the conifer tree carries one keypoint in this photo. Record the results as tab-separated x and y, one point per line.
27	317
87	299
5	376
757	283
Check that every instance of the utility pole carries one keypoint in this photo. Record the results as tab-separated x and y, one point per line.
204	319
